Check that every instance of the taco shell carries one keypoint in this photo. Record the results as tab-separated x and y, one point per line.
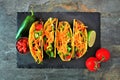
36	42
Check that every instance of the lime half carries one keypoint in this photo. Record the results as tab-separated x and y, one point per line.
91	38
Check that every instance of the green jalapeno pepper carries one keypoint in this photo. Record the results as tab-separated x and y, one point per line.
25	26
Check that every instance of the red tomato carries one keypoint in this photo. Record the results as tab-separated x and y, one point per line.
68	57
38	27
22	45
92	64
45	46
78	54
103	55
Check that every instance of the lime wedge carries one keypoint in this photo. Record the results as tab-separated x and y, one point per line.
91	38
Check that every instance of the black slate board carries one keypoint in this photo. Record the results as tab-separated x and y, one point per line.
92	20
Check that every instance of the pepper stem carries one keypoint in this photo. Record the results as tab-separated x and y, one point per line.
32	13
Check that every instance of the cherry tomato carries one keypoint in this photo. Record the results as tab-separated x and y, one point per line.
103	54
92	64
22	45
38	27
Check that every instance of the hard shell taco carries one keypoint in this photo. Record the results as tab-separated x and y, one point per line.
36	41
49	38
79	38
64	41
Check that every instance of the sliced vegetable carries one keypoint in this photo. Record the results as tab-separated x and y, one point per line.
45	46
38	34
38	27
69	34
68	57
69	49
44	38
50	53
91	38
78	54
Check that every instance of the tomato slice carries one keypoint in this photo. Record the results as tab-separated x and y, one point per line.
45	46
38	27
20	50
68	57
78	54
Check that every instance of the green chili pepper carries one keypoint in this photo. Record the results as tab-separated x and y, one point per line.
25	26
69	34
50	53
44	38
69	47
50	48
37	34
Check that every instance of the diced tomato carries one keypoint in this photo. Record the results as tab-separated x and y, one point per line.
20	50
18	47
22	45
19	43
68	57
25	40
78	54
45	46
24	49
38	27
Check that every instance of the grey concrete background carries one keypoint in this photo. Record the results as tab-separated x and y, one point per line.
110	39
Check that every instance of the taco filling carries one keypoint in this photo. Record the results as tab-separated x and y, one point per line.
64	41
80	38
36	42
49	37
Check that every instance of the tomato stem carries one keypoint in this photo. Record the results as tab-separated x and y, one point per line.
103	58
96	63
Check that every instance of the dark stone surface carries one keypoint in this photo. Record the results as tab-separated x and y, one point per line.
110	30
